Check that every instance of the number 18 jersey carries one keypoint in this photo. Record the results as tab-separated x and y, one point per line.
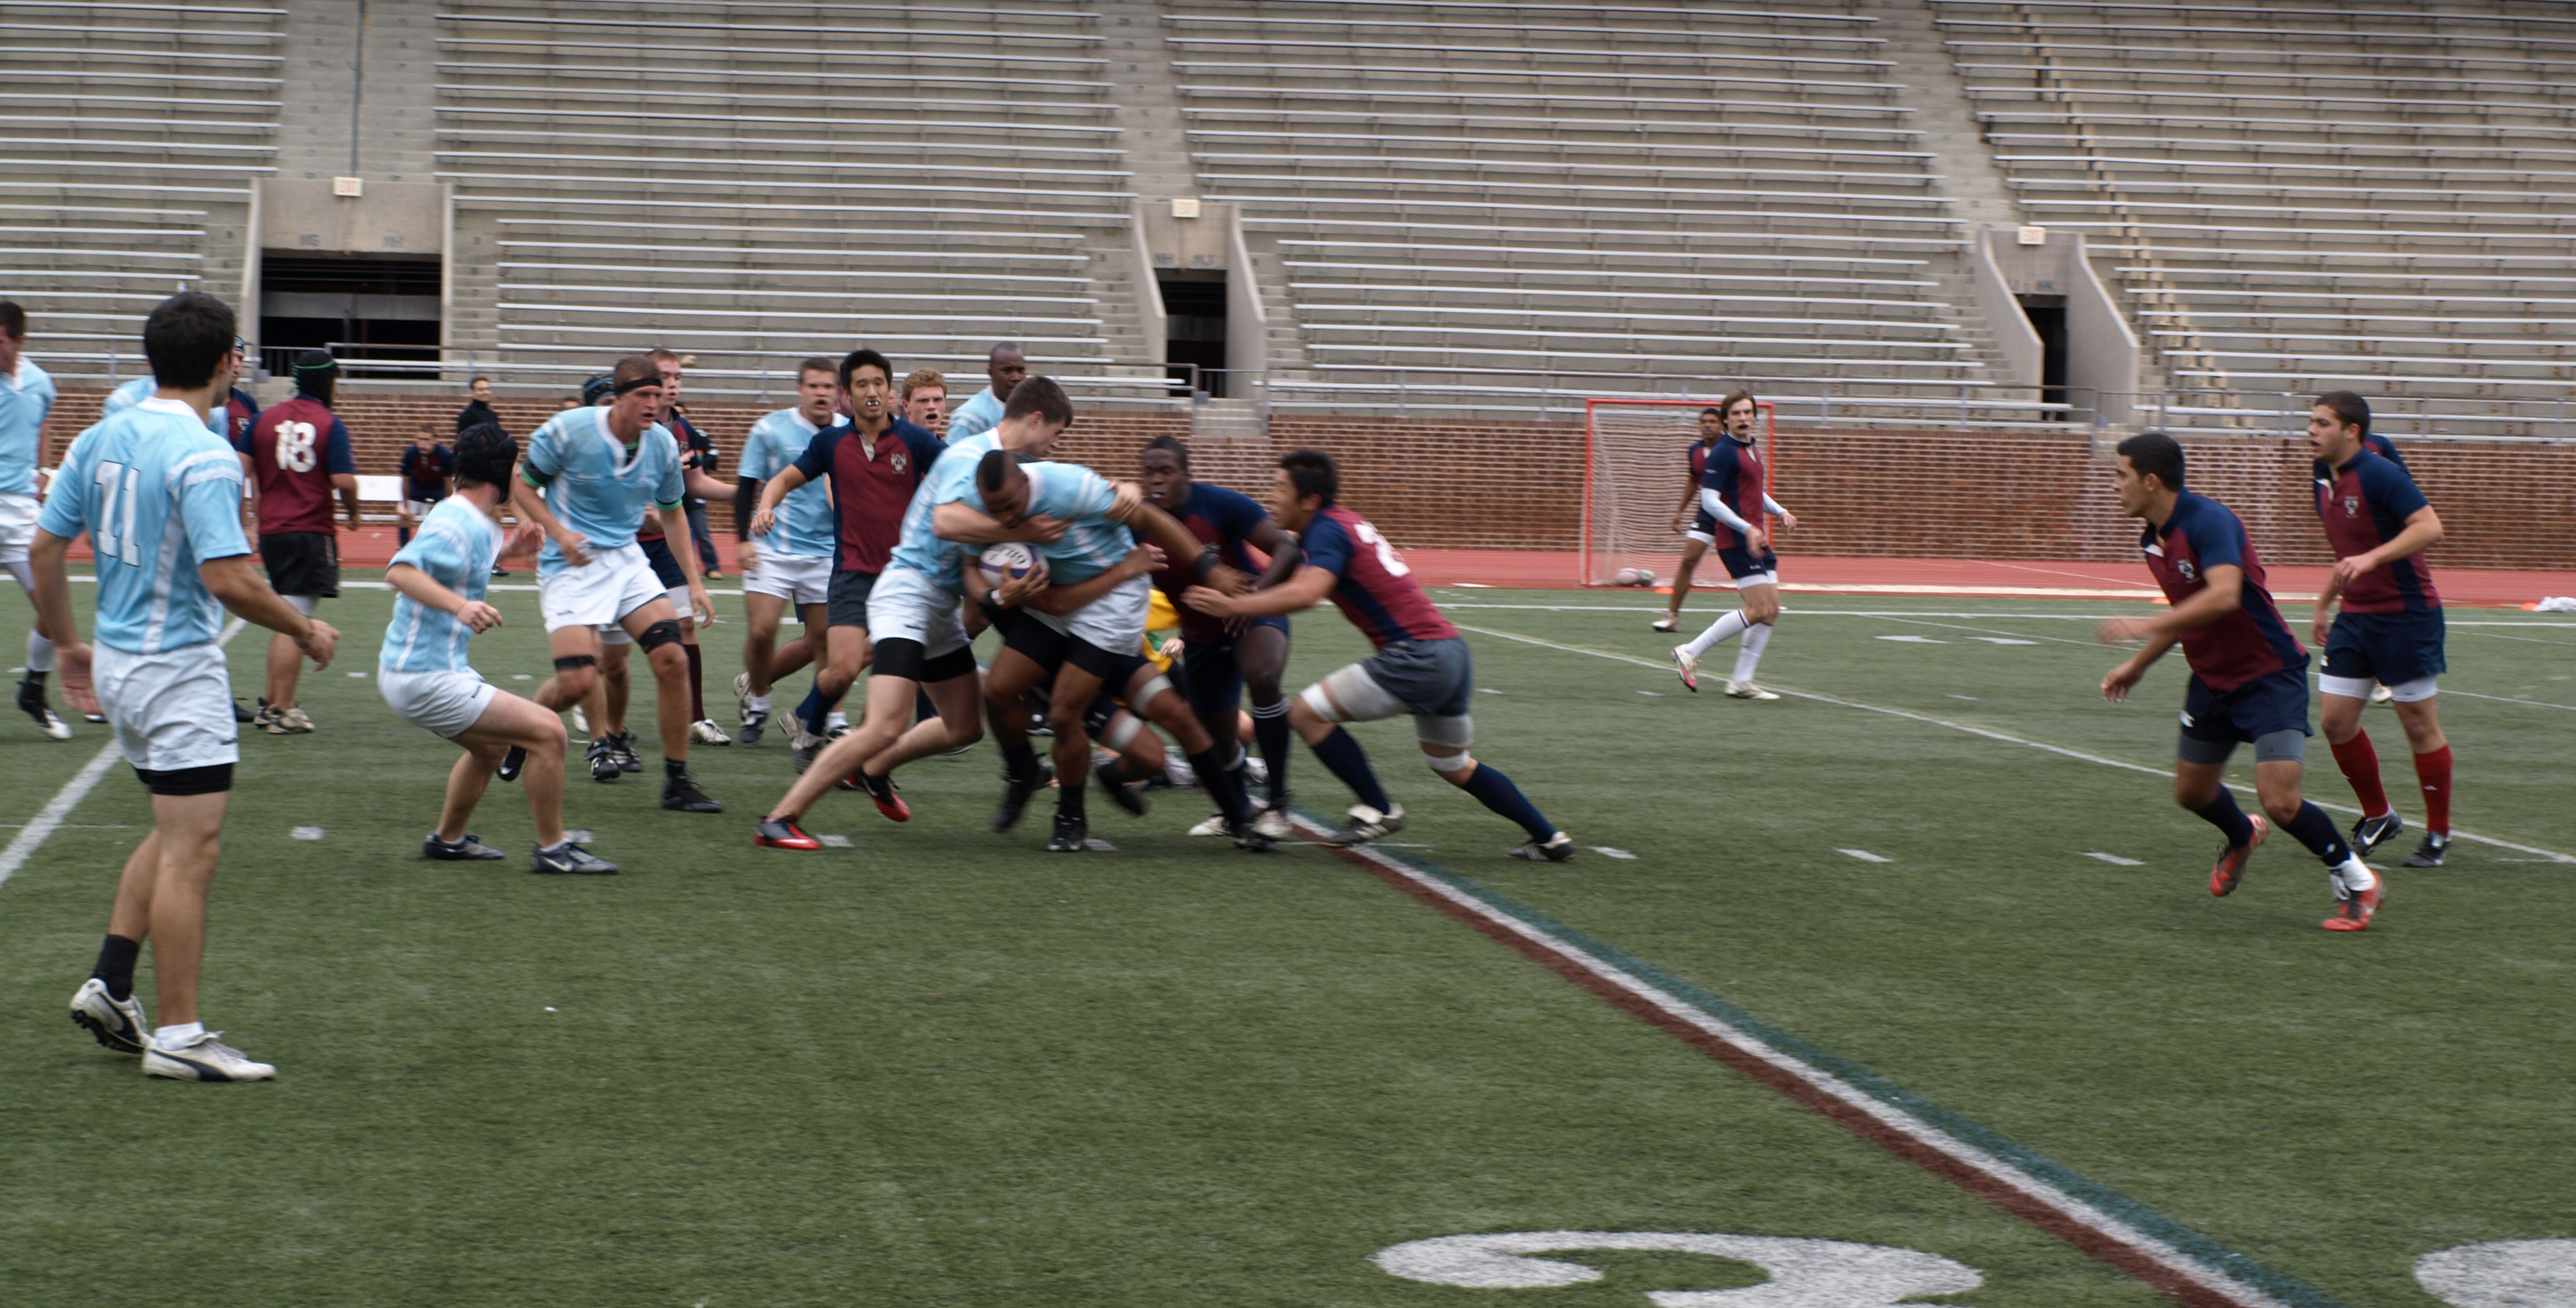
294	448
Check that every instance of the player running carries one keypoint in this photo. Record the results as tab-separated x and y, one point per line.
299	458
26	397
588	476
795	568
440	576
875	461
2389	632
1734	513
1421	667
1690	521
2248	675
160	497
1222	660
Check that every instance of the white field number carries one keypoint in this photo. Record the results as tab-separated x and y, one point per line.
295	446
2501	1274
1804	1273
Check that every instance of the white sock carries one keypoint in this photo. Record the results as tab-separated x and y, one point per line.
2355	876
40	653
178	1035
1732	624
760	703
836	721
1750	653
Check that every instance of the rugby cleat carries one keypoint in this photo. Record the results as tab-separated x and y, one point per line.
681	794
1015	795
2372	832
1689	664
2230	870
1667	624
1072	835
31	701
118	1023
469	850
755	723
206	1058
1555	849
706	732
283	721
580	721
569	859
1368	824
1249	839
803	749
1215	825
1120	793
1273	822
603	760
2353	911
622	746
2431	853
783	833
887	796
514	760
2380	694
1747	690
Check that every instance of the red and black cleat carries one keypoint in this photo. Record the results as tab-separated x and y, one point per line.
2232	858
2353	912
783	833
889	800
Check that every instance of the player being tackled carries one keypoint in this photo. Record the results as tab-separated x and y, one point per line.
1422	667
2248	675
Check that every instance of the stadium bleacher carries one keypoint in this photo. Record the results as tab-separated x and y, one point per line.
2363	194
133	130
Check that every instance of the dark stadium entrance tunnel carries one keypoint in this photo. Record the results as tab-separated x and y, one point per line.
1194	307
2047	314
357	307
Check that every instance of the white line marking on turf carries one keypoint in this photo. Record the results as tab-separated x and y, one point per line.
1864	855
1970	698
1993	1169
2456	834
1607	852
307	833
1915	640
2507	699
2006	640
49	819
2114	858
833	842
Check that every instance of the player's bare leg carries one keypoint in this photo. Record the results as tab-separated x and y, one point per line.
1753	623
507	723
40	664
655	627
878	744
1692	550
847	653
1006	684
2201	788
1075	688
957	723
162	896
285	673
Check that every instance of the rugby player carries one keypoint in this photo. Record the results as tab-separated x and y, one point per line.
1734	511
2248	675
299	458
1221	661
587	478
2389	630
1422	667
439	577
1690	521
925	401
160	497
26	397
1006	367
795	567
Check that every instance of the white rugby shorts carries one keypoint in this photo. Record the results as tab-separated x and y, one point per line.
1115	622
442	703
615	583
170	711
906	606
17	525
799	579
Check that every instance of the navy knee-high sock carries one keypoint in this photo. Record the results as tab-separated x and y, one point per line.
1224	784
1342	757
1496	791
2317	831
811	709
2230	820
1270	736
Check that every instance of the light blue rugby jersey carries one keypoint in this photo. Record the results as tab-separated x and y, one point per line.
593	486
25	399
976	416
1091	544
950	479
805	525
141	388
158	495
455	546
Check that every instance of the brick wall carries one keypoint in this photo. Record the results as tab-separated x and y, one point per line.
1928	494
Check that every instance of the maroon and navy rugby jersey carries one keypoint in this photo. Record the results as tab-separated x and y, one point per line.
687	439
2364	506
294	448
2374	443
2249	643
1735	473
1218	517
1376	591
870	488
1699	460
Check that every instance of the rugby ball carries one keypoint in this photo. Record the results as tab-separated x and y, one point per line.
1633	577
1008	561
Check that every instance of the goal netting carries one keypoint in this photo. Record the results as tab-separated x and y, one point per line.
1636	466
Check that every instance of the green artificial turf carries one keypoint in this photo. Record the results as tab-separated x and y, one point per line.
942	1066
